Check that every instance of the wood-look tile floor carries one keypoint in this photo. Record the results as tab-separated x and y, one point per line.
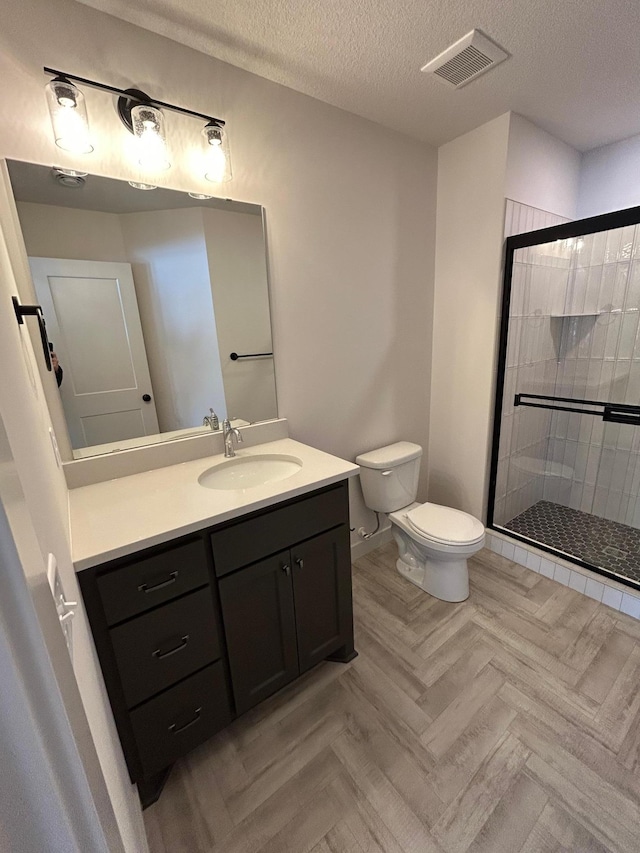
506	724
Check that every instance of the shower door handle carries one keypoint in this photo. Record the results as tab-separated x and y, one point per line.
617	413
622	415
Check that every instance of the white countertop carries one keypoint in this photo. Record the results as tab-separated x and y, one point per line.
119	517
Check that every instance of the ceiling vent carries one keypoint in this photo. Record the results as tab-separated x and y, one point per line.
471	56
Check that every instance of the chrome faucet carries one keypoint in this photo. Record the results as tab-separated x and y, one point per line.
229	433
211	420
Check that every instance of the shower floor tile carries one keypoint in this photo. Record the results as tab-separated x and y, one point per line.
595	540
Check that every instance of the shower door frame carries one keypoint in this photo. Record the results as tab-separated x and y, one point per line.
566	231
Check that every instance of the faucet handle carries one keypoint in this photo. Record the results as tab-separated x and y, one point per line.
226	425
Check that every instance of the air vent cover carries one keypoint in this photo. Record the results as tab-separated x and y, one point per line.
468	58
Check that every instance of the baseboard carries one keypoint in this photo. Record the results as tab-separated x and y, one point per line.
359	549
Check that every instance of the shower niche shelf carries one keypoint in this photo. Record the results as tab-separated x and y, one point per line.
543	468
561	331
576	314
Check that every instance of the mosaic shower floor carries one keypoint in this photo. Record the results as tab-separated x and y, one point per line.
588	537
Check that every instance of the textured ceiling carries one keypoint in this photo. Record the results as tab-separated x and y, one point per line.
574	68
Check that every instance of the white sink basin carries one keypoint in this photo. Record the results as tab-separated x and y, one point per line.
247	472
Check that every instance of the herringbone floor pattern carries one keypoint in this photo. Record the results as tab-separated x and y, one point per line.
506	724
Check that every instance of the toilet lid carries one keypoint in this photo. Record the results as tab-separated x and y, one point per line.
444	524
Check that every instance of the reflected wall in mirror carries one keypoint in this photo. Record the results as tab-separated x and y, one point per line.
146	295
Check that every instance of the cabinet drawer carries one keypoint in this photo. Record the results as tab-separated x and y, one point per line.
159	648
171	724
249	541
141	585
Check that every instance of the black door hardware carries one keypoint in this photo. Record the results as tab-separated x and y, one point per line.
23	311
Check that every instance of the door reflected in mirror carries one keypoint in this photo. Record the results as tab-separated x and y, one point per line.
146	296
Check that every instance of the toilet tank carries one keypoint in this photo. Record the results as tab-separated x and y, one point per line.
389	476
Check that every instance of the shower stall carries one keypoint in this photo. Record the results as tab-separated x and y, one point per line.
565	469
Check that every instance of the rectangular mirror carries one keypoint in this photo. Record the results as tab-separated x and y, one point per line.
156	304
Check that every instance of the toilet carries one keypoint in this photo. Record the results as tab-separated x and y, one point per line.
434	542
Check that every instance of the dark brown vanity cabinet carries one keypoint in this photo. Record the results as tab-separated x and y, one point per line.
156	624
286	613
196	631
260	628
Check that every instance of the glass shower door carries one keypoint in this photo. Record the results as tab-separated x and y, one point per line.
566	456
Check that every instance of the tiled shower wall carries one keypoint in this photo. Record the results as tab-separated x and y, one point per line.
600	360
531	364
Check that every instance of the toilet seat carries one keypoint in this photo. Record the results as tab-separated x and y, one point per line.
444	525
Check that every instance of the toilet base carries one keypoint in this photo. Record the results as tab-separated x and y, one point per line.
452	584
445	575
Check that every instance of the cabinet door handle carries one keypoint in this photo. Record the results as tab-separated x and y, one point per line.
299	562
176	730
286	568
181	645
171	579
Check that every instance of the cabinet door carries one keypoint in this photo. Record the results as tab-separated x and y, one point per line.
322	593
259	624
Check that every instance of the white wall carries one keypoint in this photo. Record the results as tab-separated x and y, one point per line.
471	187
51	231
51	780
507	158
610	178
542	171
238	274
168	254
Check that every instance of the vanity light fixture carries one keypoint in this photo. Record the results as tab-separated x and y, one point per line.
148	129
200	196
68	114
142	115
217	156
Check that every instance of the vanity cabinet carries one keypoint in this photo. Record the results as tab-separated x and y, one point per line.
260	628
157	628
193	632
286	613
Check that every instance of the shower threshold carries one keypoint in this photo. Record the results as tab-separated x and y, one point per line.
589	538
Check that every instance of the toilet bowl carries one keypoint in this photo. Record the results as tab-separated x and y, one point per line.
434	542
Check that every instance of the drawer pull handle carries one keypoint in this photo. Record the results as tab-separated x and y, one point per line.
286	568
299	562
176	730
171	579
160	655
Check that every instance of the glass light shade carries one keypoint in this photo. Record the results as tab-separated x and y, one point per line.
200	196
148	128
68	116
72	173
217	156
138	185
